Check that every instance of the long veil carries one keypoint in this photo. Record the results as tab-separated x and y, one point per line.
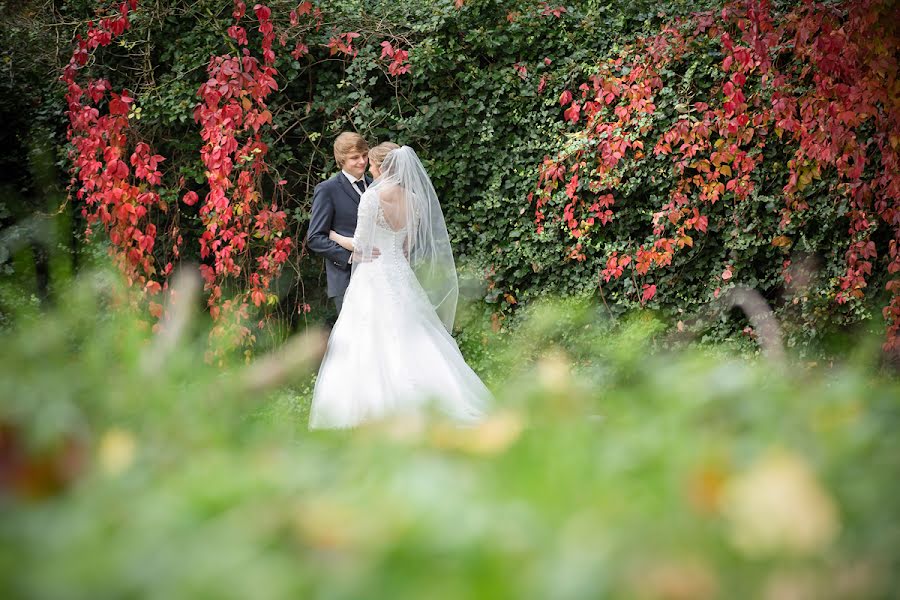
403	200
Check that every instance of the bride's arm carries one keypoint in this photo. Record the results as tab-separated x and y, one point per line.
361	242
342	240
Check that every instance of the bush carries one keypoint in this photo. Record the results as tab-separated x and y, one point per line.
605	469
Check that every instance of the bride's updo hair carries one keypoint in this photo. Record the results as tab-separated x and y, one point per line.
379	152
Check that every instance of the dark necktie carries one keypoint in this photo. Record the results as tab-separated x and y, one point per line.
360	185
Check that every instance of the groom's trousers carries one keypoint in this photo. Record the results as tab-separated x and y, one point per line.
338	303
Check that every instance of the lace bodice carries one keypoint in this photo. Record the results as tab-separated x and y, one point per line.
388	241
383	235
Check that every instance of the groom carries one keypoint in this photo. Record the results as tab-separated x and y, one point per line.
334	207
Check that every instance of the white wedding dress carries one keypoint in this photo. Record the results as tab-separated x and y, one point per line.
389	352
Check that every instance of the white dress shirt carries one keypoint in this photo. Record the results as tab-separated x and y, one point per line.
353	180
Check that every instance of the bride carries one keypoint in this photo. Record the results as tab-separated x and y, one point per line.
390	351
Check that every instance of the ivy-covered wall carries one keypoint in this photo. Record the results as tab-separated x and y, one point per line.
478	95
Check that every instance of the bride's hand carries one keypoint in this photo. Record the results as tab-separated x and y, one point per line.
342	240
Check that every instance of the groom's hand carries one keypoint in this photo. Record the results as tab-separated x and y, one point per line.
355	257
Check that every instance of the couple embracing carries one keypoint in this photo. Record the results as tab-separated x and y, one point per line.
392	276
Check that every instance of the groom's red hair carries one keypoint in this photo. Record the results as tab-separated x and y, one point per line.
348	143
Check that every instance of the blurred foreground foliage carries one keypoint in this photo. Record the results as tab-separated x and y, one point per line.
617	463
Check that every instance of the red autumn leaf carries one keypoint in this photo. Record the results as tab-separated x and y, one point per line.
572	186
548	10
649	292
573	113
156	310
257	297
118	105
153	287
299	50
263	13
238	34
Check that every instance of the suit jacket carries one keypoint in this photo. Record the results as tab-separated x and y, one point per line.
334	206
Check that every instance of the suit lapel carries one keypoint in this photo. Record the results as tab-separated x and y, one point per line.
348	188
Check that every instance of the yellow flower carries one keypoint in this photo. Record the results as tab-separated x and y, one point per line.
554	371
779	506
116	451
493	435
682	579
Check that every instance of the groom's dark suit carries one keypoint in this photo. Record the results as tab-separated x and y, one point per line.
334	206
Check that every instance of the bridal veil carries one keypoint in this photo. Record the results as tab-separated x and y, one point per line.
403	200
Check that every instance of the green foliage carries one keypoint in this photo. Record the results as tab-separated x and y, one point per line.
606	469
